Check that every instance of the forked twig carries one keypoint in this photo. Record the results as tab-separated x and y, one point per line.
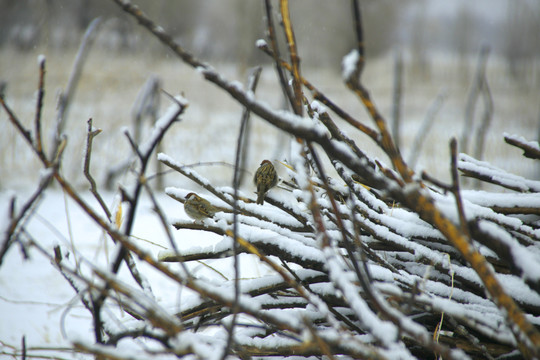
90	135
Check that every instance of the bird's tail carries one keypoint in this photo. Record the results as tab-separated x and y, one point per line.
260	198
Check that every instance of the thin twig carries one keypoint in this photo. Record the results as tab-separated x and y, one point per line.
275	53
91	133
353	82
470	107
252	86
422	133
455	187
67	96
295	59
39	107
16	222
481	131
397	96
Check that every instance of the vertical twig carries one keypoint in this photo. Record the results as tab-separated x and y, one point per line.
470	107
357	16
133	199
422	133
353	81
455	188
39	106
91	133
295	59
252	86
397	98
147	105
482	129
23	348
276	54
67	96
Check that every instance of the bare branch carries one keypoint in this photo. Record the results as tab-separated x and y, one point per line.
530	148
91	133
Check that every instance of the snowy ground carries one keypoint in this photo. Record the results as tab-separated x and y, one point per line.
36	302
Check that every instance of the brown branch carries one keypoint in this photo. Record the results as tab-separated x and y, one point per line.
295	59
359	32
354	83
530	149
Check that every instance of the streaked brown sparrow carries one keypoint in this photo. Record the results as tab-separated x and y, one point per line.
198	208
265	178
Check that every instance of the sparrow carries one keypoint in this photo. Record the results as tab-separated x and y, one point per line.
265	178
198	208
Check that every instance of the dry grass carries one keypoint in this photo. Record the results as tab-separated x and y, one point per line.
111	81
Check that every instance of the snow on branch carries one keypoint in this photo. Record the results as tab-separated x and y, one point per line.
486	172
531	149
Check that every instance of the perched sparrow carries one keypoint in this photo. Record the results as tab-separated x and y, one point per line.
265	178
198	208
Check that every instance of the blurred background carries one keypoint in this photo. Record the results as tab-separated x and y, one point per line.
437	41
227	30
